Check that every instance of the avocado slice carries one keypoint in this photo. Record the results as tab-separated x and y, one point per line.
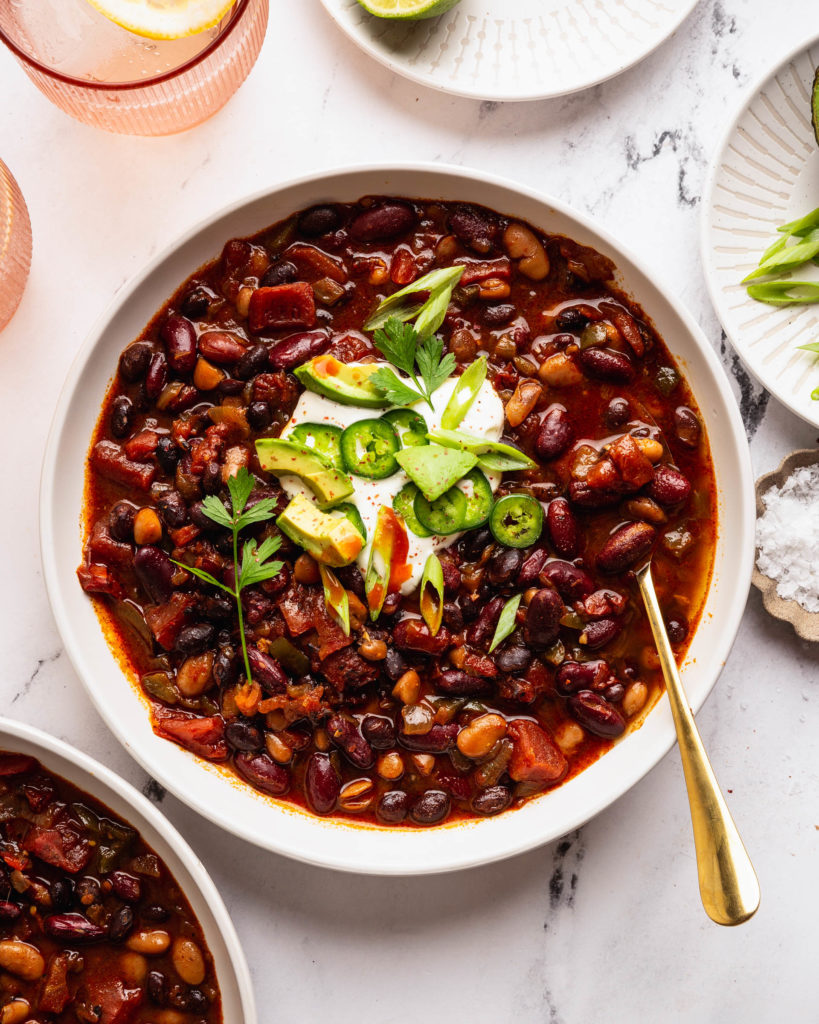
348	385
434	468
814	106
493	455
281	457
331	540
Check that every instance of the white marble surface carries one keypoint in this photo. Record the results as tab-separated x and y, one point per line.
604	926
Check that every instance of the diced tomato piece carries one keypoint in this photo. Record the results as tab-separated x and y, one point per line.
202	736
117	1003
331	635
103	548
480	270
350	347
296	611
141	446
61	847
312	261
166	620
98	579
111	461
54	993
16	764
184	535
635	468
284	305
535	756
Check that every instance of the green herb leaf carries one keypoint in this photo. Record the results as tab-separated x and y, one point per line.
432	608
240	486
393	388
397	342
214	509
204	576
435	367
506	622
256	566
258	513
780	293
430	313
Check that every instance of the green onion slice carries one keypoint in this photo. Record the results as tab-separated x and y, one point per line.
432	608
506	622
336	598
465	393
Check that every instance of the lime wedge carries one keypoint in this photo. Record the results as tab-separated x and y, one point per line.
410	10
814	106
164	19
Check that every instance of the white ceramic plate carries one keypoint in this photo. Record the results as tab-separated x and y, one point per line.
56	756
766	173
515	49
218	795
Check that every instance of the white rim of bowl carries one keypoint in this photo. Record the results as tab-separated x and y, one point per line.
48	744
705	216
405	71
458	859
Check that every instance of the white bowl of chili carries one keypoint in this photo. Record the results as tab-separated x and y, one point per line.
285	827
70	765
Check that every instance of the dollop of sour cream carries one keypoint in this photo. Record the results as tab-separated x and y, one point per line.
483	419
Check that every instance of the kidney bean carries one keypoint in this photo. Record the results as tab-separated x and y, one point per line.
196	303
221	348
669	486
167	454
379	732
297	349
157	375
504	565
482	631
11	911
596	715
133	363
570	581
492	800
319	220
121	923
600	632
687	426
555	433
453	617
121	522
345	734
122	410
513	660
128	887
154	570
381	222
281	272
573	676
627	545
431	807
173	509
261	771
195	638
531	567
179	338
475	227
267	671
586	496
322	784
414	635
606	364
71	928
456	683
542	624
439	738
259	415
562	527
393	807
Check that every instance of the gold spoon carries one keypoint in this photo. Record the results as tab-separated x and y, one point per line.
729	887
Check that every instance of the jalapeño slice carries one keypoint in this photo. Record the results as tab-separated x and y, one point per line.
516	520
478	495
445	514
410	426
403	504
368	449
323	438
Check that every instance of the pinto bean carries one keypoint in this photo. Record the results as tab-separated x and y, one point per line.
378	223
555	433
345	735
188	961
261	771
606	364
322	784
524	399
522	244
179	338
626	546
221	348
571	582
543	614
298	348
596	715
21	959
562	526
669	487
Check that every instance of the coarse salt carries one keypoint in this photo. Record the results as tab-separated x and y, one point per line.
787	536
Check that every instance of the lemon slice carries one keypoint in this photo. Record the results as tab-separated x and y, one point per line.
164	19
411	10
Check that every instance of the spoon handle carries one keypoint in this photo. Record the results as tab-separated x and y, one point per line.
728	884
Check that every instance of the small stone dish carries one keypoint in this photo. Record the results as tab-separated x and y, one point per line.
804	622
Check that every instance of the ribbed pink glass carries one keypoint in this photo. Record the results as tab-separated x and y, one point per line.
15	245
109	78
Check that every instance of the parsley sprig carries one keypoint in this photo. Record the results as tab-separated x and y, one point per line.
418	357
255	565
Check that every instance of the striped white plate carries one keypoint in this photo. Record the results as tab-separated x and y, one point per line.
766	173
515	49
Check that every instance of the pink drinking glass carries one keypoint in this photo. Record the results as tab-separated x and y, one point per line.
109	78
15	245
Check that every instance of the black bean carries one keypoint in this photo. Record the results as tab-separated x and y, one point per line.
571	320
196	303
243	735
212	477
279	273
62	894
379	732
492	800
431	807
453	616
252	362
167	454
216	607
677	627
194	639
133	363
154	571
395	664
618	413
473	542
122	411
230	386
513	660
157	985
259	415
225	665
121	923
504	565
153	912
498	315
121	522
319	220
392	807
172	509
